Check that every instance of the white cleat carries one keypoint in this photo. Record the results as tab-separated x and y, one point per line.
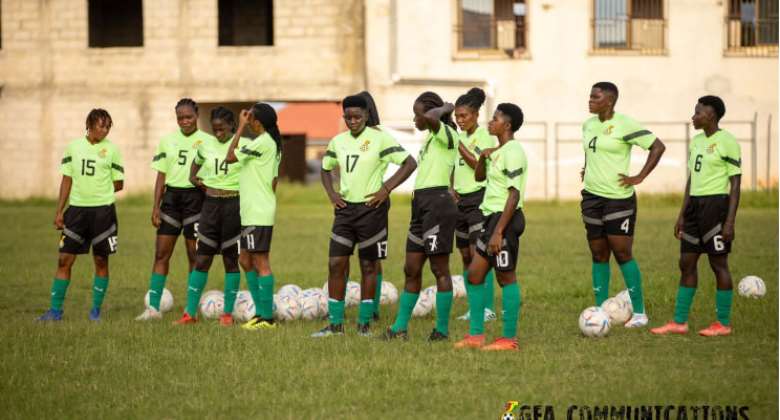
465	317
149	314
637	321
490	315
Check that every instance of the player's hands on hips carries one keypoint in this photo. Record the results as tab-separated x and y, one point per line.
487	152
337	201
156	217
376	199
198	182
59	221
455	195
243	117
494	245
626	180
678	228
728	231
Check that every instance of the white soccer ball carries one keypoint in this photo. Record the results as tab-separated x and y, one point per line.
244	308
618	310
212	303
325	289
426	302
314	304
458	287
750	286
625	297
289	290
166	301
594	322
352	297
389	294
288	308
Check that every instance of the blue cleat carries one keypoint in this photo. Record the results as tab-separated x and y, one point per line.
94	314
51	315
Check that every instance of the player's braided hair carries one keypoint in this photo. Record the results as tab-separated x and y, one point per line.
187	102
98	114
715	103
430	100
474	99
267	116
373	113
225	115
514	113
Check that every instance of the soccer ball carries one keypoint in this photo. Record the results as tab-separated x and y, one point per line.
618	310
166	301
288	308
325	289
425	303
458	287
750	286
244	308
594	322
352	297
625	297
389	293
507	416
289	290
212	303
314	304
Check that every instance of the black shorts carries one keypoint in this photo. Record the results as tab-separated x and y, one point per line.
703	222
433	222
608	216
180	210
256	238
358	224
506	259
220	226
90	226
469	221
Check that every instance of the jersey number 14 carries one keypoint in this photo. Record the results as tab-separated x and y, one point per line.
220	167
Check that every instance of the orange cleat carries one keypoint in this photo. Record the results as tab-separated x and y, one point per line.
670	327
185	319
226	320
471	342
502	344
715	329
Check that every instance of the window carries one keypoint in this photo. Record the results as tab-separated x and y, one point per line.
497	25
116	23
246	22
751	26
630	25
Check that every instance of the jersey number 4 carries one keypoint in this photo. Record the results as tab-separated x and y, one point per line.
351	162
592	144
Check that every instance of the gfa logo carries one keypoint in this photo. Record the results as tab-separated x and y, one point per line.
514	411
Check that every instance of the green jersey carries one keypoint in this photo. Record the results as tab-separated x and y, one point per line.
93	168
507	168
362	161
214	169
259	165
712	161
607	147
478	141
174	156
437	158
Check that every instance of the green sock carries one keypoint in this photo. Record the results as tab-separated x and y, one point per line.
254	289
683	304
195	285
58	289
443	306
723	305
266	301
475	294
405	308
510	298
156	286
633	279
365	311
490	297
378	293
99	287
336	311
232	281
600	274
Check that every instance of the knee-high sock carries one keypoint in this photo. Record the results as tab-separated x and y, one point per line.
195	285
511	300
156	287
683	304
99	289
723	300
405	308
59	288
443	307
365	311
633	279
378	293
475	293
232	282
600	274
336	311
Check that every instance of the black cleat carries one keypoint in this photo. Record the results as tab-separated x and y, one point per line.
330	330
392	335
376	316
364	330
437	336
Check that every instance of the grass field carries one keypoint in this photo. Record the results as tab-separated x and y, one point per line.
124	369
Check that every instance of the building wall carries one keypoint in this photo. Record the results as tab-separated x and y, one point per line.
50	79
412	49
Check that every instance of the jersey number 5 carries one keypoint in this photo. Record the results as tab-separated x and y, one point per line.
182	157
592	144
697	164
351	162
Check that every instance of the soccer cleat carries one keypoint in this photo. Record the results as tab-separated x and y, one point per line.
376	316
226	320
466	316
471	342
330	330
364	330
185	319
637	321
437	336
51	315
490	315
149	314
257	324
670	327
393	335
715	329
94	314
502	344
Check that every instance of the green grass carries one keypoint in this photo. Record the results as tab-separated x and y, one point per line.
124	369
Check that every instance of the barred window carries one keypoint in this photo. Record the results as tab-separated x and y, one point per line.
751	27
497	25
633	25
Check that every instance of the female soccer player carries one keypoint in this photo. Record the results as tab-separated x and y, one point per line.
362	155
706	220
608	200
432	225
469	192
177	202
259	159
91	173
505	169
220	224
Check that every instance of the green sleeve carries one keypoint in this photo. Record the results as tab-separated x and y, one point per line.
637	135
392	151
515	164
66	166
330	160
446	136
159	161
117	167
199	156
731	154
